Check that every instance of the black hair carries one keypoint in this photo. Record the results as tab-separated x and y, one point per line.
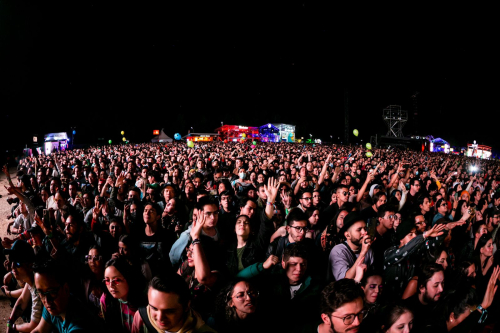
426	274
384	209
133	277
54	269
172	283
298	250
296	214
338	293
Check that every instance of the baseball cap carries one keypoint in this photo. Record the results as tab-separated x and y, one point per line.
20	251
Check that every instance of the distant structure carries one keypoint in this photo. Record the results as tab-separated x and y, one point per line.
414	124
395	118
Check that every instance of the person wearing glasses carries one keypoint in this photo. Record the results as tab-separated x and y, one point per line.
237	309
341	307
306	200
62	311
124	295
442	210
383	234
92	285
21	258
412	195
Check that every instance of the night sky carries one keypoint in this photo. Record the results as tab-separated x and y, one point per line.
107	67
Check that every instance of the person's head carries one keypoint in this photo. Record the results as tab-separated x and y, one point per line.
420	222
95	260
52	287
438	255
415	185
354	228
316	195
484	247
294	262
168	193
424	203
442	206
372	285
237	300
313	217
342	193
430	283
457	305
386	216
118	277
379	199
115	227
60	198
479	229
171	206
73	227
169	301
341	306
396	318
152	213
405	232
248	208
209	207
297	225
339	219
305	199
243	226
21	258
127	246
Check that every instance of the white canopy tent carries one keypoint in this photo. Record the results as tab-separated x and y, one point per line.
161	138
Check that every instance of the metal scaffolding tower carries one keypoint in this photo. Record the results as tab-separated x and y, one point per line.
395	119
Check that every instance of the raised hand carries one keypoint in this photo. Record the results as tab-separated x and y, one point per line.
270	261
491	289
198	226
271	189
436	230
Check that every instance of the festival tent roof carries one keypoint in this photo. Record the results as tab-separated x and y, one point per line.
162	137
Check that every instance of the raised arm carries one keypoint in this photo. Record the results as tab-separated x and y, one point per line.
203	273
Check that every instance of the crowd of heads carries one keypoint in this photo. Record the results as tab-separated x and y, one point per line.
225	237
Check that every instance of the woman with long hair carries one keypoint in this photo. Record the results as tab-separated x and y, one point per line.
124	295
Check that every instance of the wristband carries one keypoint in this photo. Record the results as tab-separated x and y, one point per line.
196	241
270	203
484	314
454	209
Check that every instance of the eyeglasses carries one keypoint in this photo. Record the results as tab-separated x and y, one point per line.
300	229
16	264
396	217
306	198
349	319
344	192
252	294
94	258
52	293
444	205
211	214
420	222
116	281
390	217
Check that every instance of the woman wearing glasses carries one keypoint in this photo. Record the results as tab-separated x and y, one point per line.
124	295
238	310
92	283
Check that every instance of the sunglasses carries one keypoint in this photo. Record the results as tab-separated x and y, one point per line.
116	281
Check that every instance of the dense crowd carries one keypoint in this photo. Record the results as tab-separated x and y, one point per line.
228	237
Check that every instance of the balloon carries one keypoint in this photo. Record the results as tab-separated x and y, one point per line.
123	139
190	144
243	135
253	146
369	154
109	141
122	132
177	136
225	141
368	145
74	132
254	143
355	132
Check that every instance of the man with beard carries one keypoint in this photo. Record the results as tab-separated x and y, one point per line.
429	291
345	257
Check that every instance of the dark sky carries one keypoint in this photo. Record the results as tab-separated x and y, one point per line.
107	67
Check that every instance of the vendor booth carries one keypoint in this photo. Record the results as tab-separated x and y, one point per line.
479	151
161	137
55	142
269	133
236	132
439	145
201	137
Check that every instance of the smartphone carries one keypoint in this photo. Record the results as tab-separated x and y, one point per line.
46	216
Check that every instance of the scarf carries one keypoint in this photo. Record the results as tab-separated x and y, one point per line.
192	322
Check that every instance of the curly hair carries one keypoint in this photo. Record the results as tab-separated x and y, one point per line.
339	293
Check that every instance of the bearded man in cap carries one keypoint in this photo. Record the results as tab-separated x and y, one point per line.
355	251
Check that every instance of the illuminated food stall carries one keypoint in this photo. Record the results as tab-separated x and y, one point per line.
269	133
55	142
439	145
287	132
237	132
480	151
201	137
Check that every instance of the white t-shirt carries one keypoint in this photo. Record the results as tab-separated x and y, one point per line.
294	290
